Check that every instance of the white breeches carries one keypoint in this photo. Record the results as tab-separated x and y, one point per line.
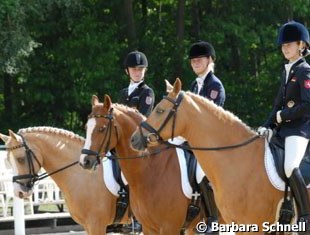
295	147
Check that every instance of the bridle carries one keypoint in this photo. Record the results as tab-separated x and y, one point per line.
172	114
30	156
154	135
107	137
32	175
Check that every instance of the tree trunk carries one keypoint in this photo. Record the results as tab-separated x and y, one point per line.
180	37
196	20
130	23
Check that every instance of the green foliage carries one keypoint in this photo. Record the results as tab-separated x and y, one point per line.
55	54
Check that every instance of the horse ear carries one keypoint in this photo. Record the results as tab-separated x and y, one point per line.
107	101
169	87
177	86
5	138
94	100
13	135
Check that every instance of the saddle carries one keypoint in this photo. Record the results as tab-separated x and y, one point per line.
276	145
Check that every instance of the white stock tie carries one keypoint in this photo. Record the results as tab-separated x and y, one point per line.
199	81
132	86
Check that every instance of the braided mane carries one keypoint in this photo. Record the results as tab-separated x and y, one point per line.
53	130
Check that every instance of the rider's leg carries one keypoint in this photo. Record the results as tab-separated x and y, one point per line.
295	147
208	202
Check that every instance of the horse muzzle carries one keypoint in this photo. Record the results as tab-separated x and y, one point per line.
22	191
89	159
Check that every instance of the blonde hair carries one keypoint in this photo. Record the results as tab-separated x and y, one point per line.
211	64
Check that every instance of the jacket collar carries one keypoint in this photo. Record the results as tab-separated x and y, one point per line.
292	69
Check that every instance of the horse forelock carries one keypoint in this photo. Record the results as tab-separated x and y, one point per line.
221	113
51	130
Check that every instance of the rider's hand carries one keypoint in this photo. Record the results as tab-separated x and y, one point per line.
266	132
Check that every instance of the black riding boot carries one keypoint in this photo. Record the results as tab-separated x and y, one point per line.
300	192
209	205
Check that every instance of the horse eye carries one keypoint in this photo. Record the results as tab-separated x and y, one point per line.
159	110
21	160
101	129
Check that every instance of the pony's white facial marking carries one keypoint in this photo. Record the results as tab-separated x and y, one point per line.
11	160
90	126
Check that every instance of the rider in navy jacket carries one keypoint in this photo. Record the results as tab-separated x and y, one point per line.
212	89
291	111
202	57
137	95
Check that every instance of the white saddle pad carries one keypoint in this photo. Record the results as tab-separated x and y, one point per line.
109	179
186	187
271	170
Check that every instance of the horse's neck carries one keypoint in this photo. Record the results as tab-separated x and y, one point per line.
212	130
132	168
57	154
237	176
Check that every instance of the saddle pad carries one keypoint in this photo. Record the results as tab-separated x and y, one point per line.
186	187
109	179
271	170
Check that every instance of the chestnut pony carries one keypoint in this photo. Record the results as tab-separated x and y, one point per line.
89	201
243	192
156	196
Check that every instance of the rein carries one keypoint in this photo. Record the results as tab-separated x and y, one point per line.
45	175
32	175
172	114
185	147
144	155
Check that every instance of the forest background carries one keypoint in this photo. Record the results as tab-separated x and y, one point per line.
55	54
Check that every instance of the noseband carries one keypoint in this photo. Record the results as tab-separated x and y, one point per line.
107	137
172	114
30	156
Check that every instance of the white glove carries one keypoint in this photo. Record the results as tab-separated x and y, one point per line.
266	132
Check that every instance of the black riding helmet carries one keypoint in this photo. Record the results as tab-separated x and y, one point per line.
136	59
292	32
201	49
